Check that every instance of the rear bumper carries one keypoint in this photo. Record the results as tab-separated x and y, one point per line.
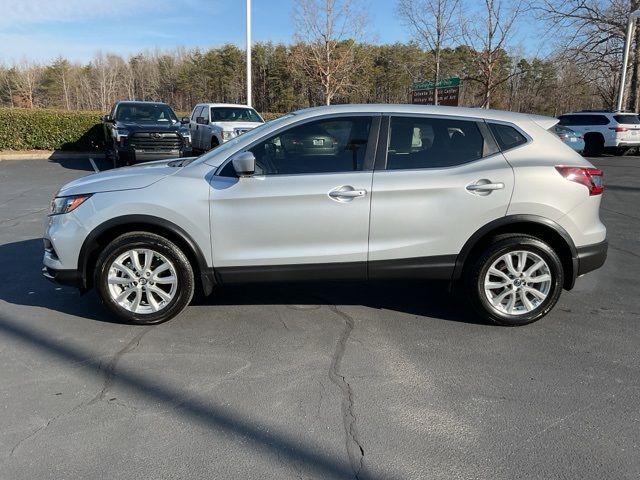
591	257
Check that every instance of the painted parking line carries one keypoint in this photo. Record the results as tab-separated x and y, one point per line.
93	164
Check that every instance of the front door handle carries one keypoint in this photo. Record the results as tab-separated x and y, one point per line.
484	186
346	193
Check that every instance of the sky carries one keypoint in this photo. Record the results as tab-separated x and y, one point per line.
40	30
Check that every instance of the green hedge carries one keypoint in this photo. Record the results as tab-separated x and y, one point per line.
42	129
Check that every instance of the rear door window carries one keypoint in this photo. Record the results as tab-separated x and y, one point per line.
429	142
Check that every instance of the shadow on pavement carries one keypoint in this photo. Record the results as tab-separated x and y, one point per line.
263	438
75	161
22	261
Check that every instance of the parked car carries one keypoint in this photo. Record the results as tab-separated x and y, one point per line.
488	201
603	130
143	131
570	138
212	124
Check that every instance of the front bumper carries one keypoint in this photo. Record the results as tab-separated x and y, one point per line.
591	257
69	278
133	155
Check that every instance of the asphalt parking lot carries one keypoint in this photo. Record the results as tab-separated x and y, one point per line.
389	381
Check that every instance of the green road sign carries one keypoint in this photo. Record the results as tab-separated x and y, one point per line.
444	83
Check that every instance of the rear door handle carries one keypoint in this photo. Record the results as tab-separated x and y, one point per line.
485	186
346	193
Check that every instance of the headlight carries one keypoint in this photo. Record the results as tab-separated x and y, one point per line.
227	135
121	134
60	205
186	135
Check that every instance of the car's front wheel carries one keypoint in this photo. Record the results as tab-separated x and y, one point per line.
144	278
516	280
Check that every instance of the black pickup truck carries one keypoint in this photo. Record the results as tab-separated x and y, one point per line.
143	131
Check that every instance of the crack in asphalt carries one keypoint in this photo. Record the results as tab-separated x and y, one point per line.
110	370
108	381
355	452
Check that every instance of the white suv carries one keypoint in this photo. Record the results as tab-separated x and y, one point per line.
212	124
487	200
615	131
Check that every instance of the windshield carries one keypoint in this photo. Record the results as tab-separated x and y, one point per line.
250	135
234	114
145	113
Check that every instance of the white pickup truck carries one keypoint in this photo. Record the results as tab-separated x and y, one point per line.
212	124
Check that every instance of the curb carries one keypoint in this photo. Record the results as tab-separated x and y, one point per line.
50	155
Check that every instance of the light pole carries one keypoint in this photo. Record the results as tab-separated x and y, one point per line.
633	16
249	52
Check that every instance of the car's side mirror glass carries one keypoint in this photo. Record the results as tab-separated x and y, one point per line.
184	120
200	120
244	164
107	119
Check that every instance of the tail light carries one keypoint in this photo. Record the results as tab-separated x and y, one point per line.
589	177
619	129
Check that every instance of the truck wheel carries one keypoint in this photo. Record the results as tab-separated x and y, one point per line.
143	278
516	280
214	143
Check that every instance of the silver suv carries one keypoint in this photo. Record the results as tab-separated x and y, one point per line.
487	200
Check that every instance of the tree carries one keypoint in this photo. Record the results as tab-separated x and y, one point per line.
593	34
432	23
489	35
327	32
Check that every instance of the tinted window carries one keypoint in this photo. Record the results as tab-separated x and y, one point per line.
324	146
583	120
416	142
632	119
506	136
234	114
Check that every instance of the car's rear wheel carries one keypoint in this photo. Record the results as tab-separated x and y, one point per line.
144	278
516	280
593	144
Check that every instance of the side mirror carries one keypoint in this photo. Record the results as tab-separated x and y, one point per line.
184	120
107	119
200	120
244	164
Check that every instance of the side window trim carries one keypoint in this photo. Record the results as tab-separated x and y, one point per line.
370	153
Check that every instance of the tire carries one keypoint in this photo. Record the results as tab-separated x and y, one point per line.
593	145
153	297
117	162
620	151
214	143
522	306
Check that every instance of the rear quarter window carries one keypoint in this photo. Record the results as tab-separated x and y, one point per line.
506	136
628	119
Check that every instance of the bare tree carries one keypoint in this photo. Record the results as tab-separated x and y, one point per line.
328	32
591	33
27	77
489	35
432	22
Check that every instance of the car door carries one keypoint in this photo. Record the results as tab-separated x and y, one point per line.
194	128
437	181
305	212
